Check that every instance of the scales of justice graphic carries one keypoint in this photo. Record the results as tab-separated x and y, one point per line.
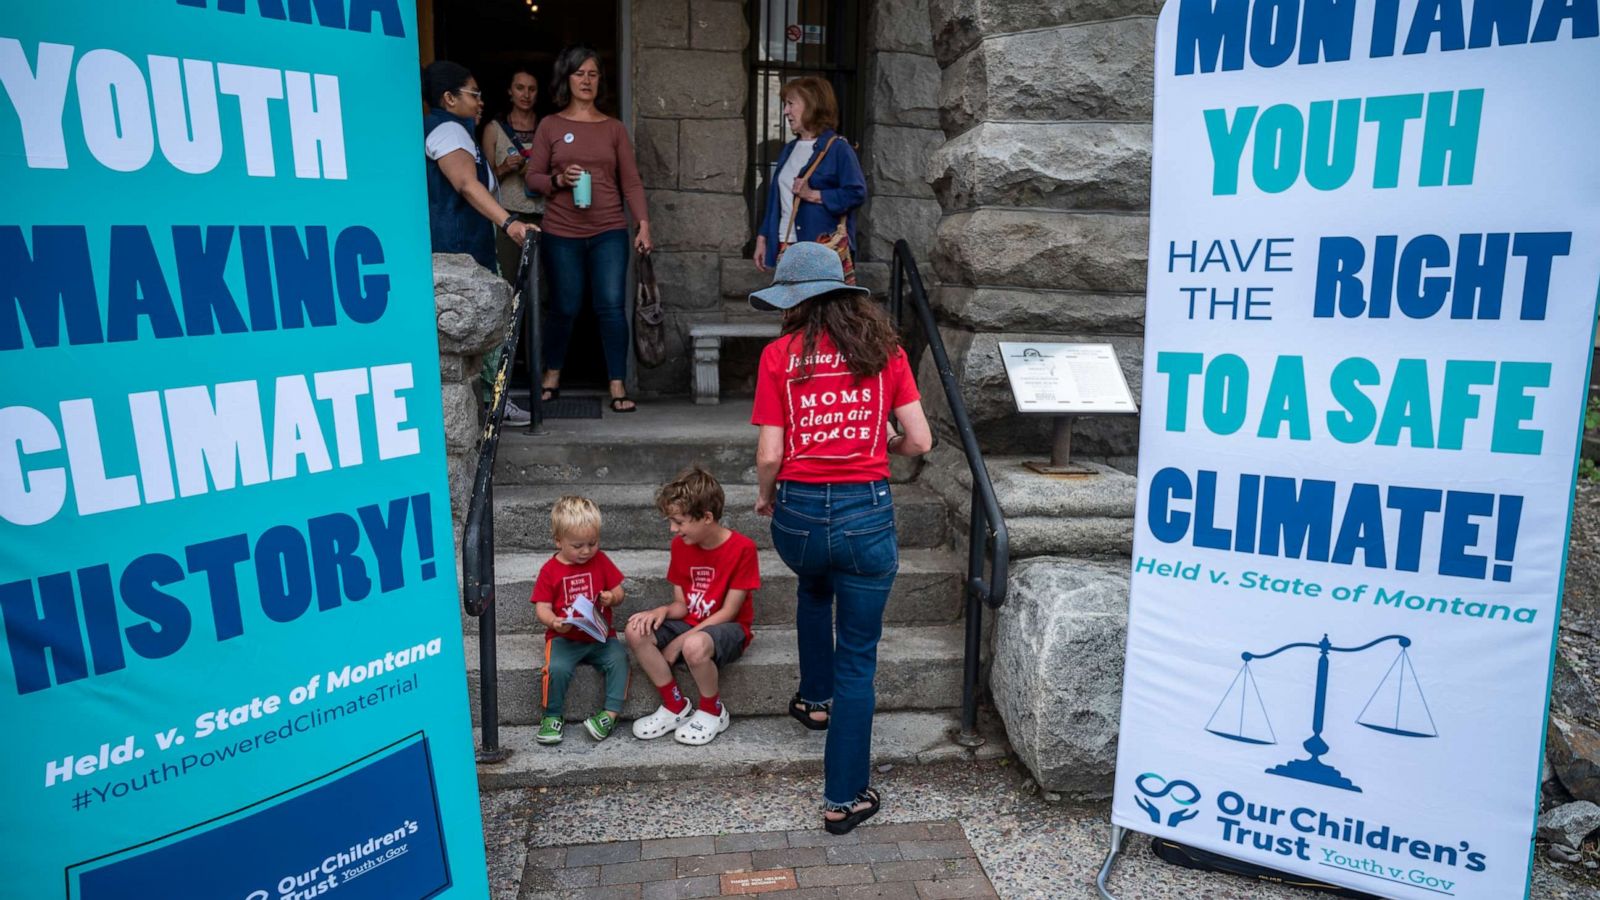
1402	710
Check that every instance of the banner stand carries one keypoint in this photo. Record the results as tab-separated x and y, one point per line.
1119	836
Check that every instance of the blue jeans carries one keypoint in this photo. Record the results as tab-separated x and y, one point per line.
596	265
840	540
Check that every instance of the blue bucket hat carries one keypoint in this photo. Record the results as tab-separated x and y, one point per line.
806	270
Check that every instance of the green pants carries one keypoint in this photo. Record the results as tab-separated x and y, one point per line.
562	658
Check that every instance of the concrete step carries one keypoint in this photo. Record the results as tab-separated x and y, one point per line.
648	447
926	592
632	522
751	745
919	667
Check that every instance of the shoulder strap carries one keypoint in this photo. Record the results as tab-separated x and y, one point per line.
818	161
511	134
794	210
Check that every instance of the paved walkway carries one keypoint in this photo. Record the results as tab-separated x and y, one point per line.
915	861
1026	846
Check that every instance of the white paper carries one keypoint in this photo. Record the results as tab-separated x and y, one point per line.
584	614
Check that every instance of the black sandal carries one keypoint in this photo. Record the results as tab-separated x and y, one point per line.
623	399
554	392
853	817
801	710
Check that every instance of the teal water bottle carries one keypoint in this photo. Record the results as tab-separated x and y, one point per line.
581	192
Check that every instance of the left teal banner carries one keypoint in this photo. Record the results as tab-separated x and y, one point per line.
232	664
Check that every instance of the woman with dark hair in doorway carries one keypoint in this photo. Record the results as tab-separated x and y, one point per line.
818	180
509	142
462	210
583	163
824	389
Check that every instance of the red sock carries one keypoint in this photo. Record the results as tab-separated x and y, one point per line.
712	704
672	698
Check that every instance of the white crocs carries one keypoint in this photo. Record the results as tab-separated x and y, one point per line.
660	722
702	727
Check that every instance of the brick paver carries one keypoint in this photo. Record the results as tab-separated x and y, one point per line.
764	840
704	845
912	861
789	858
935	849
639	872
829	876
863	853
714	865
601	854
893	890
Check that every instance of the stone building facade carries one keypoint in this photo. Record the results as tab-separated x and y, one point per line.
1008	142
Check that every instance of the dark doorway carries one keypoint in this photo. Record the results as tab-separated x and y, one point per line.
495	38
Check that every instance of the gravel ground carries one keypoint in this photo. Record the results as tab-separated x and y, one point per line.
1030	846
1580	602
1579	638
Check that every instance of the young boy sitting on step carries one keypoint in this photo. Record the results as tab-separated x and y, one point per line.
714	573
579	568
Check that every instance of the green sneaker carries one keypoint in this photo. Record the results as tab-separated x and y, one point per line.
600	725
550	730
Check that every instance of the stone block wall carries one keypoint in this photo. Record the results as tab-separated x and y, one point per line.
472	307
1043	182
690	96
902	131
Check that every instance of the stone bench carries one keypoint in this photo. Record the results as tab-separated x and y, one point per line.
707	338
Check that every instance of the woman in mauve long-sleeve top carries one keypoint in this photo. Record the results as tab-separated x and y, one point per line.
586	249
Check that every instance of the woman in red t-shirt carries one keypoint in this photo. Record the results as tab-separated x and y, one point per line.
824	393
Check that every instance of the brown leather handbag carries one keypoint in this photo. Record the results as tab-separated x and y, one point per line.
649	321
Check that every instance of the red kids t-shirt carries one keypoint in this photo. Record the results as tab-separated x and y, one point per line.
835	425
560	583
707	576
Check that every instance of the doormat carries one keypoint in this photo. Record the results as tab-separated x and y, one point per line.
572	408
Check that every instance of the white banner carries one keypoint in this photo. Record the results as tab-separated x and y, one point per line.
1374	254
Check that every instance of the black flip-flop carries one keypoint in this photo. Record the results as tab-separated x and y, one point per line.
801	710
850	821
623	399
554	392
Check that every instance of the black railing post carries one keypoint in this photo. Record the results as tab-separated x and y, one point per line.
969	736
533	305
895	297
477	539
987	536
489	749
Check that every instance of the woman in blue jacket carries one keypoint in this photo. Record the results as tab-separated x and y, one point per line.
801	208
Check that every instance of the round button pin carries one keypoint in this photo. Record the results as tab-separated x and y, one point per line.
567	137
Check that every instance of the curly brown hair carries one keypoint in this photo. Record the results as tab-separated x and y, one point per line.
858	326
693	493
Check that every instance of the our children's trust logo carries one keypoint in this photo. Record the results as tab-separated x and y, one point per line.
1155	787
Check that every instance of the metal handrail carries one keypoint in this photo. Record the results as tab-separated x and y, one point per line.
987	537
477	538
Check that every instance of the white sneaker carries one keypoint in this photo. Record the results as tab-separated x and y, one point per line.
702	727
660	722
515	415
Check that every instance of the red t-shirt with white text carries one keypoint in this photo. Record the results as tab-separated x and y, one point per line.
560	583
835	425
707	576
